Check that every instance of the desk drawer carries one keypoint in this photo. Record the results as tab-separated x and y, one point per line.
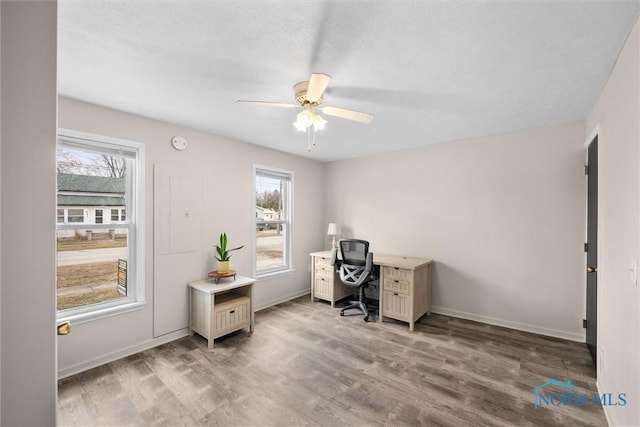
322	262
397	279
323	288
396	306
397	273
324	270
399	286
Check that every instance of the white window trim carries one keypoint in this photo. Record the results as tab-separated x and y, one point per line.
282	271
137	301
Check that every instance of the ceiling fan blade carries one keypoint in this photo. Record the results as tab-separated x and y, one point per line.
348	114
268	104
317	84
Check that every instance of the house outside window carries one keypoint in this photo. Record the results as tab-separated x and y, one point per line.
273	220
100	257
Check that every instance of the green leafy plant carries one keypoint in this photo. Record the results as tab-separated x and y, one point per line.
221	249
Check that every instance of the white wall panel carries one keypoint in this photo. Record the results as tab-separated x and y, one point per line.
28	386
177	231
617	115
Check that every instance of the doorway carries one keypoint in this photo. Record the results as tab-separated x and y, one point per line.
592	250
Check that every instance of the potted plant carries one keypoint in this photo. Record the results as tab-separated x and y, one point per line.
223	255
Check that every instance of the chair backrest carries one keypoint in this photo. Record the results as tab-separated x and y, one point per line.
356	263
354	251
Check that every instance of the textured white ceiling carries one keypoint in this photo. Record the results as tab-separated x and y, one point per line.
428	71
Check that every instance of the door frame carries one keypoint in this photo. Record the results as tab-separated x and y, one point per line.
595	133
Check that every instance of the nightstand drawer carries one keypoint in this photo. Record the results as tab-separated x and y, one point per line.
231	312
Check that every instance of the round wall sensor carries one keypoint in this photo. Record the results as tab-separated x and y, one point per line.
179	143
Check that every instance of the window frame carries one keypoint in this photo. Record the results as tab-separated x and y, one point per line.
69	216
135	300
101	216
288	267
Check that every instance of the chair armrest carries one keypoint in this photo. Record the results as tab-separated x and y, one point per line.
369	263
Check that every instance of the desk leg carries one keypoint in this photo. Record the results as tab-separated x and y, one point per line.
411	324
212	320
253	315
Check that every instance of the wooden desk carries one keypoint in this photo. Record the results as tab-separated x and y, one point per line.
218	309
405	285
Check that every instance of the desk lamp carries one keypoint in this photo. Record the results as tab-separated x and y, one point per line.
333	230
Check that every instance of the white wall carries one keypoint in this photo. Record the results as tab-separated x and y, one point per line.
28	387
617	113
227	204
502	216
0	219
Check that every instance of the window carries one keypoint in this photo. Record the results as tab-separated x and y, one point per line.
273	220
100	268
75	215
118	215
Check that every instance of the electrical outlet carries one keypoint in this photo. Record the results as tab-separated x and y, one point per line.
603	360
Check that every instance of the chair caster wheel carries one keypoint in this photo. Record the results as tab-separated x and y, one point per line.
342	314
366	319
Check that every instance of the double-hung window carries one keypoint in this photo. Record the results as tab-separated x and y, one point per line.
273	220
100	230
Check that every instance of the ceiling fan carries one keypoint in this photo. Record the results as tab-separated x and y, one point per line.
309	94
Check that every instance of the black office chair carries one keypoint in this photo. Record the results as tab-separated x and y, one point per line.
355	268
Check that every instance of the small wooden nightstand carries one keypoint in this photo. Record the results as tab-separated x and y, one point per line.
218	309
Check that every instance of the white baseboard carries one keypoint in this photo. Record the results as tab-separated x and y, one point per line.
608	413
283	299
127	351
510	324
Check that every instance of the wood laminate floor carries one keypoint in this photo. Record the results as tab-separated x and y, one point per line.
306	365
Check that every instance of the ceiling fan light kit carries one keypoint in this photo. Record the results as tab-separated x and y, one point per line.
309	94
307	118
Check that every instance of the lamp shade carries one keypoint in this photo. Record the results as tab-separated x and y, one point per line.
334	229
318	122
304	119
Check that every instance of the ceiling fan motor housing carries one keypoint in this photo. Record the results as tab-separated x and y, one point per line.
300	90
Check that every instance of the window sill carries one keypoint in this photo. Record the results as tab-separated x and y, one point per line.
101	313
275	274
